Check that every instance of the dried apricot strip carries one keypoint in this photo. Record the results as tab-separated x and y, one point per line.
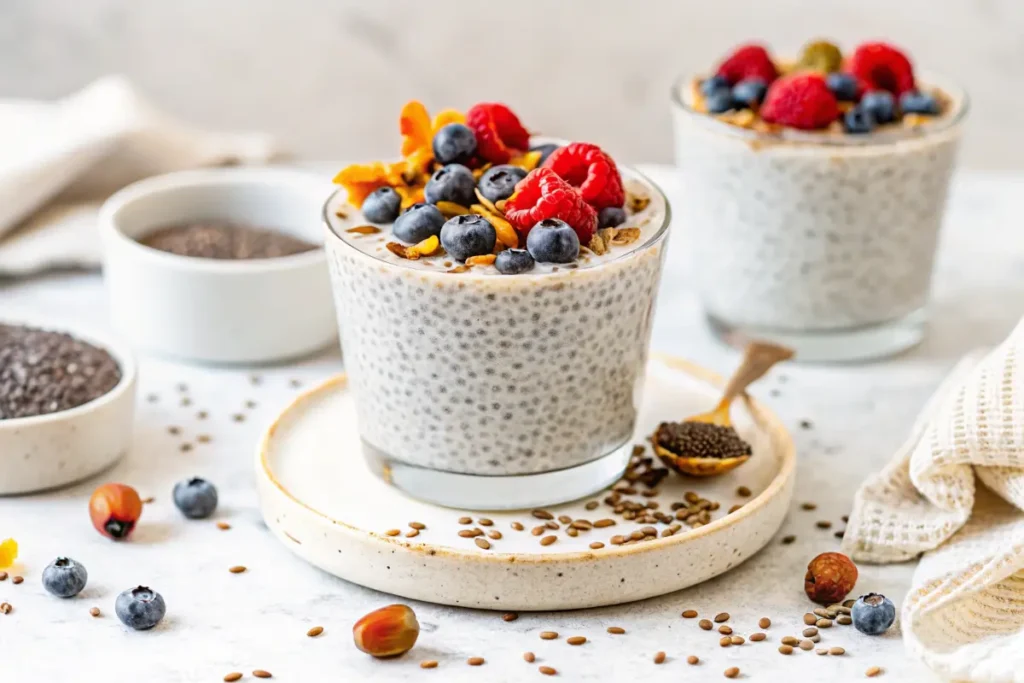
451	209
446	116
481	260
526	161
507	235
414	124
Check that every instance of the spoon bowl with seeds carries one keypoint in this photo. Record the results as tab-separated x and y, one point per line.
707	444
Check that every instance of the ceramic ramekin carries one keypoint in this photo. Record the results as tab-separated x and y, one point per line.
48	451
219	311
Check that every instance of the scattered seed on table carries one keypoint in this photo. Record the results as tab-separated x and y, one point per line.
174	431
260	673
428	664
602	523
786	540
840	534
735	508
493	534
553	525
732	672
547	670
542	514
17	579
592	505
705	624
757	637
810	619
467	533
475	661
419	526
148	500
233	676
517	526
616	630
659	657
186	402
529	657
786	649
392	532
5	608
692	660
573	532
821	651
809	632
152	398
845	518
548	540
238	417
482	543
836	651
576	640
204	438
412	533
548	635
806	645
873	671
844	620
484	521
537	530
465	520
738	640
823	524
596	545
725	630
617	540
743	491
3	576
790	640
725	641
94	611
764	622
689	614
823	623
808	506
565	519
237	569
315	631
202	415
509	616
721	616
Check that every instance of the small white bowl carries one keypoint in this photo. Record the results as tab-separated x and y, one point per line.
57	449
219	311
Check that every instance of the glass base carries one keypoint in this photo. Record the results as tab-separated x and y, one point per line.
833	346
492	492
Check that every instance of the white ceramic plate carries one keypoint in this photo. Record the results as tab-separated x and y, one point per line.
321	500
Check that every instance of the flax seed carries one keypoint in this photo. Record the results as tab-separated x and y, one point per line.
17	579
806	645
547	670
315	631
517	526
174	431
596	545
428	664
548	540
542	514
483	521
689	614
732	672
840	534
602	523
735	508
576	640
705	624
548	635
392	532
185	447
837	651
810	619
725	641
237	569
743	491
659	657
693	660
419	526
790	640
725	630
757	637
482	543
592	505
475	661
786	540
873	671
616	630
465	520
529	657
94	611
844	620
233	676
720	617
823	524
738	640
260	673
808	506
786	649
537	530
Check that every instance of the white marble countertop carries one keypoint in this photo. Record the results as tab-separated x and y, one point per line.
219	622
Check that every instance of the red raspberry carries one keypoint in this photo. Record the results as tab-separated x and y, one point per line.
543	194
800	100
499	134
748	61
587	167
882	67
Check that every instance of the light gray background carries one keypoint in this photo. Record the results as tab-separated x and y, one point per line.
328	76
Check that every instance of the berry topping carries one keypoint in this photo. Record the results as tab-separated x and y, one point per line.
822	56
720	101
880	104
468	235
499	182
800	100
553	241
917	102
452	183
382	205
716	82
140	608
749	92
454	144
748	61
499	134
859	121
873	614
843	85
514	262
417	223
114	510
882	67
588	168
195	497
545	151
611	217
64	577
543	194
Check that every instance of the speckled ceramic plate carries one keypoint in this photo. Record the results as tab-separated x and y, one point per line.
319	497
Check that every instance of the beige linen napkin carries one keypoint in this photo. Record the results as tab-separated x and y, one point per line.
964	615
59	160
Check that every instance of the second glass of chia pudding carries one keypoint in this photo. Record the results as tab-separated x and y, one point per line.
495	295
814	194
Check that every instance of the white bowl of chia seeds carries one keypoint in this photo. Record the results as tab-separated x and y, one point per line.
67	400
220	265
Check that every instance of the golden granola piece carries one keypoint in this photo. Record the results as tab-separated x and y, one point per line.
483	260
487	202
451	209
526	161
446	116
459	269
364	230
507	235
597	245
637	203
427	247
625	236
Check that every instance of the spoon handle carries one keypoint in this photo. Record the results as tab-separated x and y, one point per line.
758	357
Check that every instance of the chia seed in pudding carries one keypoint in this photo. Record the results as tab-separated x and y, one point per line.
225	241
44	372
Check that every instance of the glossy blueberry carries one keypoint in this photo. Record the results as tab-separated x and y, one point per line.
140	608
880	104
499	182
873	614
917	102
749	92
545	151
64	577
611	217
454	144
417	223
382	205
452	183
720	101
468	235
858	121
714	83
553	241
842	85
514	262
195	497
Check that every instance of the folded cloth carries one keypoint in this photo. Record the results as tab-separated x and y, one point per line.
61	159
964	615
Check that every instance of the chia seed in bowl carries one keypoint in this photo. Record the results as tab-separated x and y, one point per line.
224	241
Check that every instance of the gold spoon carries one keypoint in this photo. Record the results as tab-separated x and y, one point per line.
706	444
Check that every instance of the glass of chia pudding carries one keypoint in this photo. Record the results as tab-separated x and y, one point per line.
495	295
814	194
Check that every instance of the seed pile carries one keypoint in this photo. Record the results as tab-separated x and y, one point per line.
225	241
702	440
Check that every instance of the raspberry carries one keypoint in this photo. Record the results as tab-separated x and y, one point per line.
587	167
543	194
748	61
499	134
882	67
800	100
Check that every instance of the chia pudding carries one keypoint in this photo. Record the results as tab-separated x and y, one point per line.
815	190
463	362
225	241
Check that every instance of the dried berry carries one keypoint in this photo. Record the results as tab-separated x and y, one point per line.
8	553
114	509
387	632
830	577
822	56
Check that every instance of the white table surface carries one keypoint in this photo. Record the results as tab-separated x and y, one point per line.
219	622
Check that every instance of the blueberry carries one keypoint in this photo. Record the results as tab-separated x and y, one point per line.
454	144
417	223
545	151
880	104
749	92
140	608
382	205
917	102
195	497
873	614
514	262
468	235
713	84
858	121
720	101
64	577
499	182
553	241
610	217
842	85
452	183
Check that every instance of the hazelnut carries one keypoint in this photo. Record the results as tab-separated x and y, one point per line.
830	578
387	632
